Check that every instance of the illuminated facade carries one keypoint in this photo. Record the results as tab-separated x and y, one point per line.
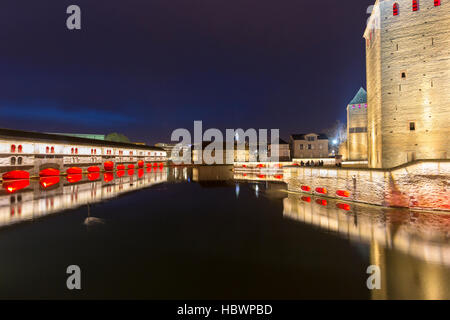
33	152
408	81
357	127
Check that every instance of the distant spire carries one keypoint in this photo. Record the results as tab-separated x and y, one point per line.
360	97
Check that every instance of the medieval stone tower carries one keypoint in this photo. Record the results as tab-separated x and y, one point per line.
408	81
357	127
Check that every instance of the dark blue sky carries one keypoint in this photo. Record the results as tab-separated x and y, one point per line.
147	67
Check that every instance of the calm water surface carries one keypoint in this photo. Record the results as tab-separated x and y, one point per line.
202	233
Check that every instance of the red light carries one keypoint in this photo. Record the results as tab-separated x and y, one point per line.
108	165
94	169
149	165
140	173
343	206
49	172
321	190
120	173
395	9
74	178
415	5
15	175
120	167
149	169
437	3
131	166
94	176
108	176
279	176
261	176
13	186
74	170
322	202
343	193
306	188
306	199
47	182
13	148
130	172
140	164
19	149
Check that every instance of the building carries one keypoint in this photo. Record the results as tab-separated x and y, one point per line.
284	153
82	135
356	147
408	81
309	146
33	152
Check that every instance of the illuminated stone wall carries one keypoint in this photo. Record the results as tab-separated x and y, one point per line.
422	184
408	81
357	132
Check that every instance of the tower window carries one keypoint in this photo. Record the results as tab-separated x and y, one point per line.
395	9
415	5
437	3
412	126
403	75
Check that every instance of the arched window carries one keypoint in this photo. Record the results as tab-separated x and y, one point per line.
19	160
53	150
76	150
71	151
13	148
13	161
19	148
437	3
47	149
415	5
395	9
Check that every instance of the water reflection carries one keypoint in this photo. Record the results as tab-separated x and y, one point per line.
412	248
23	200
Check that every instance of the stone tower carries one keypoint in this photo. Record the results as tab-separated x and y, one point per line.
357	127
408	81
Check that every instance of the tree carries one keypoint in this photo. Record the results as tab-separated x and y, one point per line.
117	137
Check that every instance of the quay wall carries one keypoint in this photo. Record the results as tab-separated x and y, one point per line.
419	184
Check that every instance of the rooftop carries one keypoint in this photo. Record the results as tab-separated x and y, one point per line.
360	97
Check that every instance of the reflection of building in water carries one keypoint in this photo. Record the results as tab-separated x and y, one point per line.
423	238
42	197
212	173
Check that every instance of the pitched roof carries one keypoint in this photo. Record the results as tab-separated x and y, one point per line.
301	136
19	134
360	97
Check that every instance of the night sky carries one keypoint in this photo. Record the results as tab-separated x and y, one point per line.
147	67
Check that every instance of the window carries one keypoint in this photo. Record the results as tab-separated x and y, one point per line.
19	160
415	5
13	148
71	150
309	147
437	3
395	9
76	150
403	75
13	161
412	126
47	149
19	148
301	147
53	150
310	138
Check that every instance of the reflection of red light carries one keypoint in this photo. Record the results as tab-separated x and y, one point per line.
120	167
74	170
140	164
306	199
279	176
343	206
49	172
140	173
120	173
149	165
131	166
130	172
94	169
155	164
108	176
321	190
108	165
343	193
260	165
149	169
306	188
13	186
261	176
93	176
322	202
47	182
244	166
160	168
74	178
15	175
245	174
161	164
